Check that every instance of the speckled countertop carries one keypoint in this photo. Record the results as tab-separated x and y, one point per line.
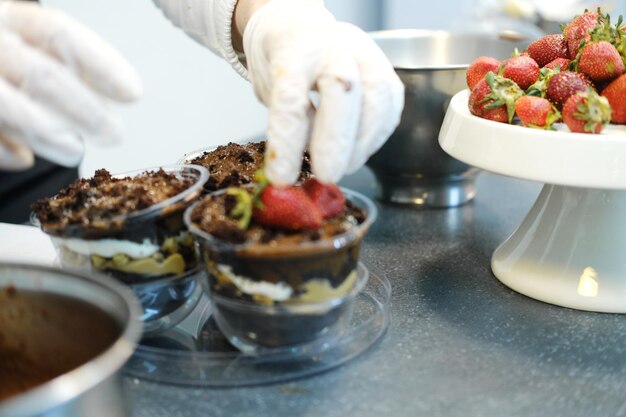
459	344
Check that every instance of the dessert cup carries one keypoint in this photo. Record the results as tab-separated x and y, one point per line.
234	164
268	295
150	250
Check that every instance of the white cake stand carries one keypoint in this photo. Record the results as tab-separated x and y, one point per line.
570	250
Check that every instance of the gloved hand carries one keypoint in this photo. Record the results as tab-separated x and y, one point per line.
294	47
54	76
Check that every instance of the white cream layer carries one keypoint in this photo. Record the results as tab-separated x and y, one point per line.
276	292
108	247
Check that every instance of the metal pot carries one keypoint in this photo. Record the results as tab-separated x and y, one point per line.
64	336
411	168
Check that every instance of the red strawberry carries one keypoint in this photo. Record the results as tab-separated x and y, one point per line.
562	85
562	63
600	61
547	49
478	100
586	112
478	68
536	112
494	98
287	208
327	197
522	69
578	30
616	94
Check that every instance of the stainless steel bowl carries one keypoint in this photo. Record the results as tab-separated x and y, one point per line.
64	337
411	168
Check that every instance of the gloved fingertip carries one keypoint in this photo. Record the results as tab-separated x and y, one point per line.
16	159
62	147
110	131
129	88
281	175
328	174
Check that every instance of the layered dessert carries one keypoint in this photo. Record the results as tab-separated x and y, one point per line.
130	226
235	164
280	271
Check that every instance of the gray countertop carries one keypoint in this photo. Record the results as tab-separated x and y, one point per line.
459	343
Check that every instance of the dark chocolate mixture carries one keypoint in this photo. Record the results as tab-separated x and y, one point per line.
45	335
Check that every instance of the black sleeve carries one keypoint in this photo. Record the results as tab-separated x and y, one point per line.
18	190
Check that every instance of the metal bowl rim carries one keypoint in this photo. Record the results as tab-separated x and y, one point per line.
76	382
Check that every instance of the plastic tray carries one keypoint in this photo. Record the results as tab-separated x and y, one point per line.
196	353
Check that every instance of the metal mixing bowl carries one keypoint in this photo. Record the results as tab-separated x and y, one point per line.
64	337
411	168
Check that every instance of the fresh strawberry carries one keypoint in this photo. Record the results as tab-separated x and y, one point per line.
478	68
578	30
562	63
606	31
548	48
536	112
287	208
562	85
478	101
540	87
600	61
327	197
586	112
615	93
522	69
494	98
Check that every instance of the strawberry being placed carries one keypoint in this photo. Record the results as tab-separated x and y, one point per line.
615	93
327	197
600	61
536	112
522	69
548	48
478	68
563	84
578	30
586	112
287	208
494	97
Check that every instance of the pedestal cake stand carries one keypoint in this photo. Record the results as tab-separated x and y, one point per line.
570	250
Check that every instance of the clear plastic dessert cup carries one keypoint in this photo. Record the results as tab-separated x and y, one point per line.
235	163
150	250
275	295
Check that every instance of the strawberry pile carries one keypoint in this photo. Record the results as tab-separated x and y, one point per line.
576	77
296	207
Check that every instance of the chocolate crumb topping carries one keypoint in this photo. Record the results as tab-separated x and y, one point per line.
233	165
103	197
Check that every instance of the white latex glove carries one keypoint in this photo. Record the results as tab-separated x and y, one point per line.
54	76
293	47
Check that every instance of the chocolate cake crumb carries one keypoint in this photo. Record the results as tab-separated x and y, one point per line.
234	165
103	197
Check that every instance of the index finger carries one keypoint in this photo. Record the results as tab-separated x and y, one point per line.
96	62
